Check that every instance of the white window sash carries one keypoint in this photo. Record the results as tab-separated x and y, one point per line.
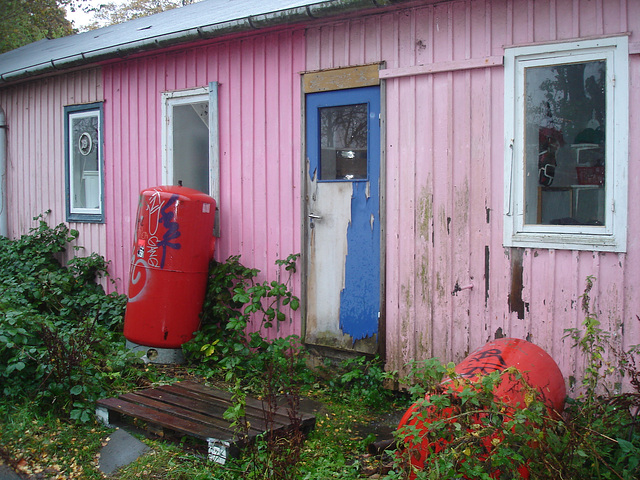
611	236
172	99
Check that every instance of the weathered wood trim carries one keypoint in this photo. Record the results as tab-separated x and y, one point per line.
214	151
341	78
438	67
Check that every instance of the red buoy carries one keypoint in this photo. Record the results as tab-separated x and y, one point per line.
172	248
537	368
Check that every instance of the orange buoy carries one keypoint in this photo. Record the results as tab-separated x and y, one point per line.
536	368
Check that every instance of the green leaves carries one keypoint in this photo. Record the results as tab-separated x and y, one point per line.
209	349
360	379
77	390
235	301
60	340
241	295
236	412
466	431
17	366
81	412
24	22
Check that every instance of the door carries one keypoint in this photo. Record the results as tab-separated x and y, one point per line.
343	219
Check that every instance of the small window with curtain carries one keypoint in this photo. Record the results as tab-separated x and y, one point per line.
84	163
566	116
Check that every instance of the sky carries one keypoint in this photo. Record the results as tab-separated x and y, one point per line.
81	19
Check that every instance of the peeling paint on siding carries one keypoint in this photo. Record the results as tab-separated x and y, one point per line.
407	296
424	225
440	287
516	304
425	213
487	274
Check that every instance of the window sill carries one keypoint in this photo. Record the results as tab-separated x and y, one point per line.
568	241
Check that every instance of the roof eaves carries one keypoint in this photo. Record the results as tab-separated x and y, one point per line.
324	9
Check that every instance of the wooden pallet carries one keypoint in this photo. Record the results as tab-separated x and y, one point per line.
189	408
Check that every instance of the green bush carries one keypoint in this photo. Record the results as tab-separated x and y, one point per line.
222	346
472	434
361	380
59	332
270	369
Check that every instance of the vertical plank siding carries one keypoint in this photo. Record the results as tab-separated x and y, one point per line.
445	181
259	145
35	151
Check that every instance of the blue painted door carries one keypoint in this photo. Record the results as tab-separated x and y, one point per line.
343	219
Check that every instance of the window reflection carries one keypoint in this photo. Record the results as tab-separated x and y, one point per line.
565	144
85	180
343	143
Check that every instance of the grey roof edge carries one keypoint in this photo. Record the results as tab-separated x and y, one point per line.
312	11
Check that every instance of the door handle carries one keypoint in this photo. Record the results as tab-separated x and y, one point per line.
313	216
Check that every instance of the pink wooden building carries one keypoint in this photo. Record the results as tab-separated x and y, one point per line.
450	171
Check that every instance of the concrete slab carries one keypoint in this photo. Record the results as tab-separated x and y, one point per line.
6	473
121	449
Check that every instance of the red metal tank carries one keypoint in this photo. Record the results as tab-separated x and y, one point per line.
537	367
172	248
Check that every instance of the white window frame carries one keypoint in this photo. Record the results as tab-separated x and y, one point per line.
170	100
613	235
75	213
184	97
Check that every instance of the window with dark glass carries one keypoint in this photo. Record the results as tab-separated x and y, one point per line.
565	139
343	142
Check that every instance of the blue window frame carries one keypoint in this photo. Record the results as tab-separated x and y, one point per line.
84	163
339	134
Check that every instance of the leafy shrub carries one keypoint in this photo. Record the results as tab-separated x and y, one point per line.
59	340
360	379
234	297
276	453
270	369
470	433
473	434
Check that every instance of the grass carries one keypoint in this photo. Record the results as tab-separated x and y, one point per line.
46	446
